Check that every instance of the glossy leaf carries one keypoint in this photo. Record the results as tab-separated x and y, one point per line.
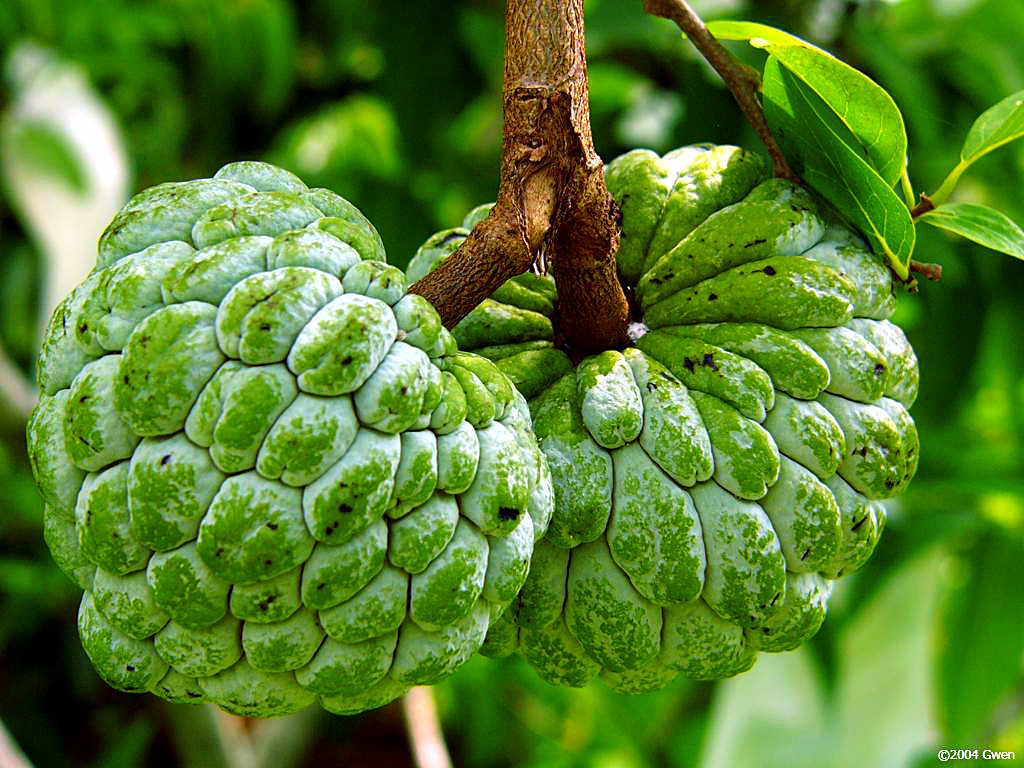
996	126
864	108
811	137
981	224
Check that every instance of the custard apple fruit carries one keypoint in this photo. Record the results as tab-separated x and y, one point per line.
267	465
713	479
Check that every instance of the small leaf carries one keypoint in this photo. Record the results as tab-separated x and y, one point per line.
864	107
981	224
807	131
995	126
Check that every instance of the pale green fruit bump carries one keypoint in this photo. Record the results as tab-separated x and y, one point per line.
342	345
654	533
805	431
123	662
254	530
200	652
262	315
609	399
746	572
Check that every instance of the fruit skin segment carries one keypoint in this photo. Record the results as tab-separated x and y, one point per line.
712	480
268	466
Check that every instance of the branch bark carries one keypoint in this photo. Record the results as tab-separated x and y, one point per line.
743	82
552	198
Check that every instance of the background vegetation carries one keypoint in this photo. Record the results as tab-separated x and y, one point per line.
397	107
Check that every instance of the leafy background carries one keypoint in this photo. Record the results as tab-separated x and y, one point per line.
397	107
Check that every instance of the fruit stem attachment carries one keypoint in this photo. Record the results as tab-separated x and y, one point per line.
424	728
744	82
552	201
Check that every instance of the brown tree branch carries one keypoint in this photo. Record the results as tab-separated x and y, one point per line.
743	82
552	198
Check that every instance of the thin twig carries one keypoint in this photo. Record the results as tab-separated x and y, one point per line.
922	207
931	271
235	739
424	728
552	197
743	81
15	390
11	755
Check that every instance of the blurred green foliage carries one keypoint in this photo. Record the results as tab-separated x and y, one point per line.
397	106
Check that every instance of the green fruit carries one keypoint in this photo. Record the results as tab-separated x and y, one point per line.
713	480
268	467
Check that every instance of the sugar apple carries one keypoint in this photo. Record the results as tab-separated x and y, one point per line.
712	480
267	465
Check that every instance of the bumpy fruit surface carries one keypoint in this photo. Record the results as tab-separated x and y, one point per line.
714	479
267	465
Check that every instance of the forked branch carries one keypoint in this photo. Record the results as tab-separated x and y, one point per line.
552	198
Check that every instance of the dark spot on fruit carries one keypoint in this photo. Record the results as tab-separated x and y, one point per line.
667	376
890	484
670	275
507	513
805	554
83	328
752	243
219	552
655	281
709	362
126	379
651	386
404	391
688	364
166	458
83	398
344	509
272	526
879	369
712	296
129	667
347	360
862	451
320	586
858	524
776	598
194	695
268	563
769	270
766	630
264	604
264	326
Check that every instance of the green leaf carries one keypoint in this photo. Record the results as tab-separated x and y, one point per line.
983	637
981	224
865	109
995	127
44	149
810	136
